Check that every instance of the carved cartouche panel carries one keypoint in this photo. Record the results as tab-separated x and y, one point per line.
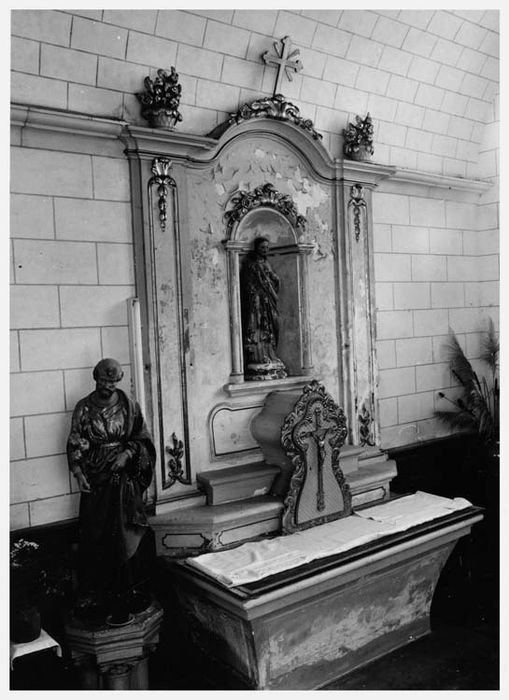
312	436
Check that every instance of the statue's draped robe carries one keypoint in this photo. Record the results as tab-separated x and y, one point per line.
112	520
260	318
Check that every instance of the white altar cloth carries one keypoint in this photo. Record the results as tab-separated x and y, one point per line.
253	561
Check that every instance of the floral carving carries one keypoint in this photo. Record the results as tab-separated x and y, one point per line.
175	468
264	196
160	101
365	427
276	107
161	168
358	139
358	204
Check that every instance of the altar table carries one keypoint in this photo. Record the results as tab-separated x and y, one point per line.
307	623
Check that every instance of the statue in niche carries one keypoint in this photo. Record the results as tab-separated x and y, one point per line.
259	287
111	455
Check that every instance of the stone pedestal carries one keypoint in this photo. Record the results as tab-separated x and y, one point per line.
115	658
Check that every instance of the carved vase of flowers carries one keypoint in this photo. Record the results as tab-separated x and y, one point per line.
160	101
358	139
25	578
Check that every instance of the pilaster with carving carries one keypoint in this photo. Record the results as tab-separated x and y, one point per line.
356	183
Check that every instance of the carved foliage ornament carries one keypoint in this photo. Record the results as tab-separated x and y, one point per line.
276	107
365	426
160	101
161	168
175	468
358	204
264	196
315	417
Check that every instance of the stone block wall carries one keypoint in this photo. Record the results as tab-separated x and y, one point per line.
427	77
72	272
436	270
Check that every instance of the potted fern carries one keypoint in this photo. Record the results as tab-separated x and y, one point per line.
476	409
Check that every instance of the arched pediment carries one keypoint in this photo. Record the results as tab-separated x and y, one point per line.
279	119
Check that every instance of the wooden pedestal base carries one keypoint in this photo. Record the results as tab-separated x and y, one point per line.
115	658
310	625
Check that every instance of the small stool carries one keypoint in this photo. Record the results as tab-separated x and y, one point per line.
43	641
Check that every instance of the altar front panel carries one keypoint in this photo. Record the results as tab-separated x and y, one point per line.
316	623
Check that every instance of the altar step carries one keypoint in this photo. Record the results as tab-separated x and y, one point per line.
237	483
211	527
254	512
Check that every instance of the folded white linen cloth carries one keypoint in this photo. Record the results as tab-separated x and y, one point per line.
253	561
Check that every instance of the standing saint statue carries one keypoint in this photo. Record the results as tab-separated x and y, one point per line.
259	287
111	455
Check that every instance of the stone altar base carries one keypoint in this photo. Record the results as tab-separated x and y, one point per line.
310	625
115	658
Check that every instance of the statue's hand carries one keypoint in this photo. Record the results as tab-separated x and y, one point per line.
83	484
120	462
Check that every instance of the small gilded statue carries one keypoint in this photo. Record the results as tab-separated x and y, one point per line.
260	318
111	455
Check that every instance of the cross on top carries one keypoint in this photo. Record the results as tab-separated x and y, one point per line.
284	62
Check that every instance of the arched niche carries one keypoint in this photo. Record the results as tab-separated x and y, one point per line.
266	212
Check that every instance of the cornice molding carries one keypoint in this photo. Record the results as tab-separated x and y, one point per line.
363	172
158	142
149	143
418	177
26	116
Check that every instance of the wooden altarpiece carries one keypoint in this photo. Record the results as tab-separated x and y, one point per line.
191	232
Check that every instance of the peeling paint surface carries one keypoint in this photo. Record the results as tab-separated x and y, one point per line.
342	624
244	165
304	637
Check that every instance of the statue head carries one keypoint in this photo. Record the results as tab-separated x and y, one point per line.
261	246
107	373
